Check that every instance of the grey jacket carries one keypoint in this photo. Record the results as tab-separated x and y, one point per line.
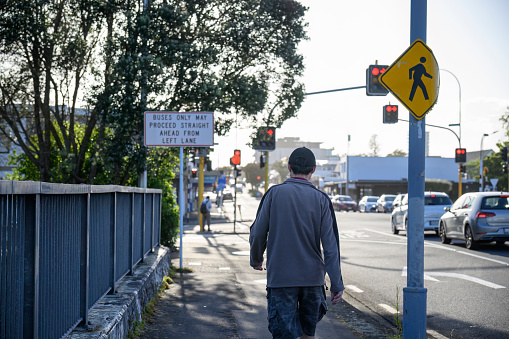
294	220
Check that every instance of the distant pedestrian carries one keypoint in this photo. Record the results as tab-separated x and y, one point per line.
294	220
205	207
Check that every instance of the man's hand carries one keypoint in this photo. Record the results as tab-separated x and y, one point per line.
258	268
336	297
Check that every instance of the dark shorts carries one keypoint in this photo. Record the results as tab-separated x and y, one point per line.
294	311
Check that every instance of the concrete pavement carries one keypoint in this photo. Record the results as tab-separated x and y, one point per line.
225	298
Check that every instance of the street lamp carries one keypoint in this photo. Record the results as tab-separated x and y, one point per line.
460	188
481	166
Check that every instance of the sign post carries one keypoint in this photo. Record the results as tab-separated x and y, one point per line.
179	129
414	80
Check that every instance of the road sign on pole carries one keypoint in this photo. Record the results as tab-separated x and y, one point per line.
414	79
191	129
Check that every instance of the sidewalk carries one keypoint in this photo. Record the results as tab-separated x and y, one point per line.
225	298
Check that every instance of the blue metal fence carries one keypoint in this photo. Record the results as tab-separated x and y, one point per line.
63	247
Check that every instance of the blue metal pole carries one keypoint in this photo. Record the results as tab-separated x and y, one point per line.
414	295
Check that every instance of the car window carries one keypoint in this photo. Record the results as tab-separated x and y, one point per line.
437	200
458	203
390	198
405	200
468	202
372	199
496	202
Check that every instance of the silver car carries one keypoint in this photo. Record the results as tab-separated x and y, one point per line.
368	203
434	204
384	203
477	217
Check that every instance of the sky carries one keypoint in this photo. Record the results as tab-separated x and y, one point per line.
468	39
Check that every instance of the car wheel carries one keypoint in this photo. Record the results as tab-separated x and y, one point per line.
393	226
366	209
470	243
443	235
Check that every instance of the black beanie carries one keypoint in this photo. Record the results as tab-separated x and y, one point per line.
303	157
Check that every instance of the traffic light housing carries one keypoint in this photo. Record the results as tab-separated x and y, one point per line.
263	160
194	171
235	160
504	154
236	172
373	84
390	114
265	139
460	155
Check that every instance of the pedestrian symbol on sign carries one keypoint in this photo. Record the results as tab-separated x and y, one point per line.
418	71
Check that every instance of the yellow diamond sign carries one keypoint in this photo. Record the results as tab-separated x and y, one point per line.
414	79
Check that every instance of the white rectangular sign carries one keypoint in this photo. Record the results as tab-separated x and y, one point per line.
179	129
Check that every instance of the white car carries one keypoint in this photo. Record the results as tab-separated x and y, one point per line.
434	204
368	203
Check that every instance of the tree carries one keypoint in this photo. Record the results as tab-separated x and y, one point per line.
397	153
253	172
494	164
282	168
373	145
238	59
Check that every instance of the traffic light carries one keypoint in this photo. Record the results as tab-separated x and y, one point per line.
236	172
265	139
460	155
463	168
194	170
390	114
235	160
373	85
504	168
504	154
263	160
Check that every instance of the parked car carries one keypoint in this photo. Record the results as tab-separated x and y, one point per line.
384	203
344	203
477	217
368	203
434	204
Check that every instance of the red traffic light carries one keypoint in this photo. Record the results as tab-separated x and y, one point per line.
460	155
390	108
235	160
377	71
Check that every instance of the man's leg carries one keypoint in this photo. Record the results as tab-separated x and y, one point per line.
208	220
312	308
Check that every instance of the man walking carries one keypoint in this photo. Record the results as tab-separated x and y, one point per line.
205	207
294	220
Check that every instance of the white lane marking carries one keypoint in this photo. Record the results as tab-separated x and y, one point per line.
426	276
224	268
388	308
447	248
352	234
194	263
457	276
466	277
466	253
261	281
354	288
241	253
435	334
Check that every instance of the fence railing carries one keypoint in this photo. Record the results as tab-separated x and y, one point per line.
63	247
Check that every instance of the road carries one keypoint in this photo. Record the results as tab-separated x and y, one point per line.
468	291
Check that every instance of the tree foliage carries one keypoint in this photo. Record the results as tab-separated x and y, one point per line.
252	172
117	59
